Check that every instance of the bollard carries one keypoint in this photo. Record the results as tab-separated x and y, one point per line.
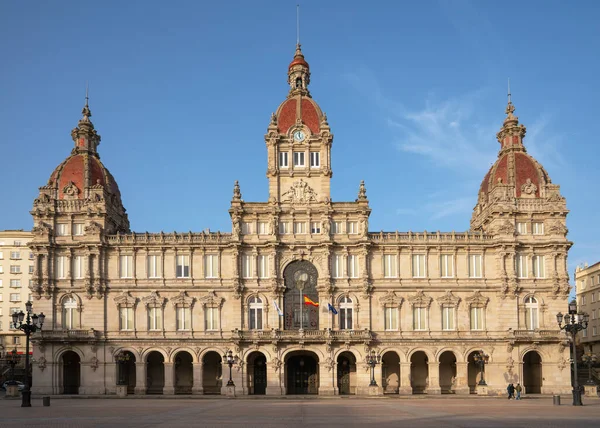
556	400
46	401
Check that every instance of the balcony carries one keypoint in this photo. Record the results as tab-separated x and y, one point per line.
325	335
525	335
68	335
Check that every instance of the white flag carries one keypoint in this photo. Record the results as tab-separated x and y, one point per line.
277	308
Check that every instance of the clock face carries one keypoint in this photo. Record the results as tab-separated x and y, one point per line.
299	135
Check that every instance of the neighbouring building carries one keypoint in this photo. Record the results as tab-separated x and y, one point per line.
587	282
171	304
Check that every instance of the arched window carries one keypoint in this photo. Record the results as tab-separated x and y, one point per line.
346	308
69	313
531	313
256	312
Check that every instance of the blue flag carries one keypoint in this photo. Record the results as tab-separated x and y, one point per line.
331	308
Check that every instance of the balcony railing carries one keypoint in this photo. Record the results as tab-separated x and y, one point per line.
68	335
310	335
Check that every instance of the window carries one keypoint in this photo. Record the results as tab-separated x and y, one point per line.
585	332
476	318
315	159
15	255
419	318
594	331
352	227
593	297
263	228
210	318
154	318
336	268
582	300
299	159
0	282
539	270
1	255
16	340
390	266
154	266
15	269
184	318
418	265
1	269
337	227
62	229
475	266
31	256
521	228
61	267
594	314
283	160
256	311
284	228
315	227
246	228
346	307
447	266
391	318
17	243
246	266
31	269
353	271
447	318
211	266
531	313
78	229
78	267
521	265
263	266
126	318
183	267
69	313
15	297
299	228
126	266
15	283
538	228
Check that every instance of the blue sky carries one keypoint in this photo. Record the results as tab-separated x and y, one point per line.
181	93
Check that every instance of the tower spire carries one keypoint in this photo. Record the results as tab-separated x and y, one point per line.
86	108
297	25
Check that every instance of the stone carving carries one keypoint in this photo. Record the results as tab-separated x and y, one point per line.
562	363
125	299
71	191
477	299
299	193
92	228
42	363
506	228
448	299
182	299
362	192
363	226
237	194
154	300
42	229
94	363
420	299
528	189
390	299
329	363
273	225
276	362
556	228
510	363
211	299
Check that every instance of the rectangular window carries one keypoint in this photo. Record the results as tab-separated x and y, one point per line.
263	228
15	283
521	265
61	267
337	268
211	266
315	227
594	314
390	266
284	228
593	297
447	266
1	255
283	160
126	318
246	266
299	159
419	318
17	243
353	266
15	255
594	331
78	229
1	269
31	256
0	282
31	269
315	159
246	228
582	300
521	228
475	266
210	318
585	332
337	227
15	297
154	266
184	318
538	228
418	265
476	318
154	318
539	270
263	266
391	318
447	318
15	269
352	227
299	228
77	267
16	340
183	267
62	229
126	266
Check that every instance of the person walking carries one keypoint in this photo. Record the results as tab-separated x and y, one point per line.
518	388
511	390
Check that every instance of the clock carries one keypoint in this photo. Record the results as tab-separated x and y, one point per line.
299	135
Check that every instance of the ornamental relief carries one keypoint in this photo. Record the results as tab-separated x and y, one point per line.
299	193
448	299
477	299
391	299
420	299
154	300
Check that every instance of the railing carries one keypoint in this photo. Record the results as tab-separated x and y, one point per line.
422	237
67	334
316	335
170	238
536	333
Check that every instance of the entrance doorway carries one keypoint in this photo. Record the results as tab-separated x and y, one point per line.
447	372
302	374
257	374
127	372
346	374
473	373
212	373
71	372
184	373
155	373
532	373
390	366
419	372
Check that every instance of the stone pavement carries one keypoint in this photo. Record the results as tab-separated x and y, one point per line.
300	412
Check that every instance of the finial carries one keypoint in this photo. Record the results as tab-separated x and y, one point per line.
237	194
509	101
87	89
510	108
86	109
362	191
298	25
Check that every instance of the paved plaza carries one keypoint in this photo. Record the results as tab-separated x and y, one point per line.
300	412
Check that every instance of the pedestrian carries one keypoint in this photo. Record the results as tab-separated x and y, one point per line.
518	388
511	390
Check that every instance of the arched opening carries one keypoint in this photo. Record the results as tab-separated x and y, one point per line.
184	373
301	298
302	373
532	373
473	373
447	372
126	372
390	367
71	365
155	373
257	374
346	373
419	372
212	373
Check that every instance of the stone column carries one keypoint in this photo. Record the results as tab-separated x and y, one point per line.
197	374
275	384
434	378
326	386
405	386
140	378
169	388
461	383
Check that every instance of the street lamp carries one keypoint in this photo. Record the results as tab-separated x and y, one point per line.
32	324
12	359
230	360
589	359
372	360
122	358
481	359
574	322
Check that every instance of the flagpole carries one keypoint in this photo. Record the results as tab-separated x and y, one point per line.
301	314
330	315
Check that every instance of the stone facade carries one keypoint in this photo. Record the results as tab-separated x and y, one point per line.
172	304
587	281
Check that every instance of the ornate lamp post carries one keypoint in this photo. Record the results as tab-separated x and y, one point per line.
574	322
12	358
589	359
481	359
32	324
122	358
230	360
372	360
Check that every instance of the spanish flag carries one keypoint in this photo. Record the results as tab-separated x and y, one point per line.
307	301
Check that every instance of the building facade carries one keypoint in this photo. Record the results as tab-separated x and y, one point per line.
16	273
587	281
172	304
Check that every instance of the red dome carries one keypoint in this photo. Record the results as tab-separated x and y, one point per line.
310	113
519	169
299	60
